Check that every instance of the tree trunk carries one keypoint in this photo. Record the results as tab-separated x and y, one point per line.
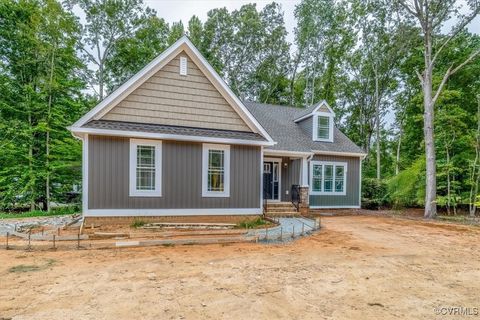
47	138
431	168
399	144
377	121
30	166
449	195
475	176
431	172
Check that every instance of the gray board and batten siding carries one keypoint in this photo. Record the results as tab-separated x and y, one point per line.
351	198
108	177
290	176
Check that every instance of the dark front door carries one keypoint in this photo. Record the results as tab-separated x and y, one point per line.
271	180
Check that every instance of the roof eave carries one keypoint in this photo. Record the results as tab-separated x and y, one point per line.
341	153
78	131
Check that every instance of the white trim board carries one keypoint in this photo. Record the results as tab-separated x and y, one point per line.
331	119
85	174
279	153
322	103
164	136
337	153
334	207
172	212
183	44
206	147
133	191
334	164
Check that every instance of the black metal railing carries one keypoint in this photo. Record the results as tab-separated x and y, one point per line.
266	196
295	192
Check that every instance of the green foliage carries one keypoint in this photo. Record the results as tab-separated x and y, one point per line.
60	211
138	223
374	193
358	55
41	97
21	268
251	224
408	187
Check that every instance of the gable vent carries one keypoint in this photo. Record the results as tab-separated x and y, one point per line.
183	66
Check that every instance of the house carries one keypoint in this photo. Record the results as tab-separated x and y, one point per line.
175	141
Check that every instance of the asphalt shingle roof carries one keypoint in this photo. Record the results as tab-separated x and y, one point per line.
187	131
278	121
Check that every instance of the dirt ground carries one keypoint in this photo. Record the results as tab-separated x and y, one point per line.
357	267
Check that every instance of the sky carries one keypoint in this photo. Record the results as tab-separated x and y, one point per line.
175	10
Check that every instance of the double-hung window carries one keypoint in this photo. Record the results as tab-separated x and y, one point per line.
323	127
328	178
145	168
215	170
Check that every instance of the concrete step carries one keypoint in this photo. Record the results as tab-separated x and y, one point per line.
279	204
283	214
281	208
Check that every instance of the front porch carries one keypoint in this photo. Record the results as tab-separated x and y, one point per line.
285	183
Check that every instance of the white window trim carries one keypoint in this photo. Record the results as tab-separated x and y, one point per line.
226	183
133	168
315	126
334	163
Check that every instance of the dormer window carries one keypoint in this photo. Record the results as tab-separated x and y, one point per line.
323	127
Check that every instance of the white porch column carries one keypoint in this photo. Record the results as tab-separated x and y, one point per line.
304	172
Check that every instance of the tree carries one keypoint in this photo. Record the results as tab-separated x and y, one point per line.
323	37
39	157
431	16
176	32
109	24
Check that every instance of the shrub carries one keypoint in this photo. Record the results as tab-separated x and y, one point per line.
407	189
137	223
374	193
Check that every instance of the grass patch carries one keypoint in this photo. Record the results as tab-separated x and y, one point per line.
137	223
38	213
21	268
168	245
459	219
252	224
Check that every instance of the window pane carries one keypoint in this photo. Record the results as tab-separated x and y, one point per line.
216	170
317	178
339	176
145	168
215	181
323	127
215	159
146	156
145	179
275	172
328	180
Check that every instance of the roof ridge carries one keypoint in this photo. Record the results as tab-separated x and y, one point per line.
275	105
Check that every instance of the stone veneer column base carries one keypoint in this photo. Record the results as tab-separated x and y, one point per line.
304	200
